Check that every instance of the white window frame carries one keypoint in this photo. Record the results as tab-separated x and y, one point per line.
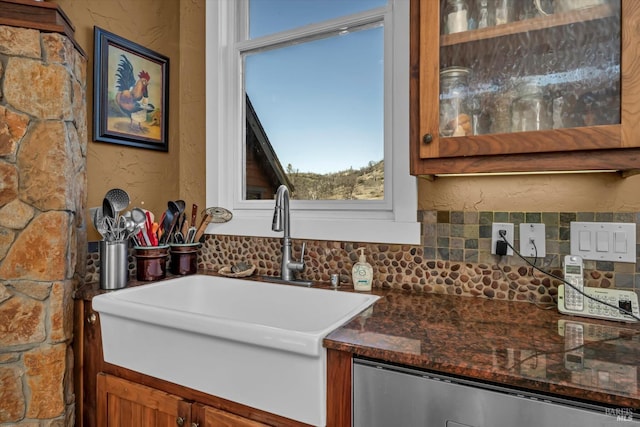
393	220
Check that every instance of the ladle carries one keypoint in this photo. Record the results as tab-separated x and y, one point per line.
118	198
108	211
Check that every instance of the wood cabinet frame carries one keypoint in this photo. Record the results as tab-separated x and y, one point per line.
610	147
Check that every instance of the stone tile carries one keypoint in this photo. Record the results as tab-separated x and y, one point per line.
533	217
443	217
604	216
33	289
550	218
45	369
501	217
16	215
566	218
485	231
46	167
471	218
12	405
22	321
45	95
58	49
20	42
457	230
516	218
457	217
429	217
586	216
33	257
8	183
623	217
61	313
13	127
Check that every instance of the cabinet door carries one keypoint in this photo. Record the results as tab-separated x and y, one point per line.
207	416
582	66
122	403
88	361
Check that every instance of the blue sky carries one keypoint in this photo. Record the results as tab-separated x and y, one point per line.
322	111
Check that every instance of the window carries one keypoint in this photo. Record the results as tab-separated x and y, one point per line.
231	117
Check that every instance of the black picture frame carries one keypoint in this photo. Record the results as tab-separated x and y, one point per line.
130	93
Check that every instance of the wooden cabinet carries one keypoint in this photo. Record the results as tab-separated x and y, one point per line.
123	403
88	361
587	61
207	416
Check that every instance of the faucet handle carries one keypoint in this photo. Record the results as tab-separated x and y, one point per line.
304	245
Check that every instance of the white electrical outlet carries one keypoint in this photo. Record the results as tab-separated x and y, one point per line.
495	235
532	240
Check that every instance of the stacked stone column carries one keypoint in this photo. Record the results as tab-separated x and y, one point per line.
43	145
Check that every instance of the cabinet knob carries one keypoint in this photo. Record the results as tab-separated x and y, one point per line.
195	425
427	138
91	319
180	421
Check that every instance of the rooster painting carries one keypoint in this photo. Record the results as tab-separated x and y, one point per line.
132	98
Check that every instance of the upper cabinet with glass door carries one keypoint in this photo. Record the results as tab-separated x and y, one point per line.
524	85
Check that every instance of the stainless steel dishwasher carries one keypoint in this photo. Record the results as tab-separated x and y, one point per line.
392	396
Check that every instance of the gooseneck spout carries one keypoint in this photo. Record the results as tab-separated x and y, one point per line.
281	220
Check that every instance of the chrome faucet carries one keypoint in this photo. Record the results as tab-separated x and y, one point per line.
281	222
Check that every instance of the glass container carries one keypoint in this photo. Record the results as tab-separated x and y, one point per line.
530	110
456	16
485	19
454	91
504	11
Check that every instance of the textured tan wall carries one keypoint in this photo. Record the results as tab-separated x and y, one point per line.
173	28
598	192
176	29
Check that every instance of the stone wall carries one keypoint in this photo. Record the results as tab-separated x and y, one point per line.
43	141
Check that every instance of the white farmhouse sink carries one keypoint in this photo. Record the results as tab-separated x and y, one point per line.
259	344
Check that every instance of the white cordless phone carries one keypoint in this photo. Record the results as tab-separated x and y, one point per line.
601	303
573	274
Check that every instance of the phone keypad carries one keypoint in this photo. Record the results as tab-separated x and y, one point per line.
616	298
597	309
574	300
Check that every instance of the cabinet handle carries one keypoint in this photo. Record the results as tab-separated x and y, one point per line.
91	319
195	425
427	138
180	421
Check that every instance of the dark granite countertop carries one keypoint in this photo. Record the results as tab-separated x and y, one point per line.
515	344
509	343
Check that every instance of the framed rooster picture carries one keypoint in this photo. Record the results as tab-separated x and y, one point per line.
131	93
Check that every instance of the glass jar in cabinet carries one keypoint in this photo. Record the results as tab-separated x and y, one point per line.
456	16
454	92
530	110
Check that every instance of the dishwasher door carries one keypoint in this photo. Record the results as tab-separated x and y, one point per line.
390	396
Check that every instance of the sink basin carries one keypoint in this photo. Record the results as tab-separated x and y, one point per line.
259	344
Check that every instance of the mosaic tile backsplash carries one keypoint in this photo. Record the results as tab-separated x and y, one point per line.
454	258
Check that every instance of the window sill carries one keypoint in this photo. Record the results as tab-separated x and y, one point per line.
258	224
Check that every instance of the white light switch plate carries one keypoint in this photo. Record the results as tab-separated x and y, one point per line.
532	240
604	241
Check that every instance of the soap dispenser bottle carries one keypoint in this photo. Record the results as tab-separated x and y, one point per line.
362	273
